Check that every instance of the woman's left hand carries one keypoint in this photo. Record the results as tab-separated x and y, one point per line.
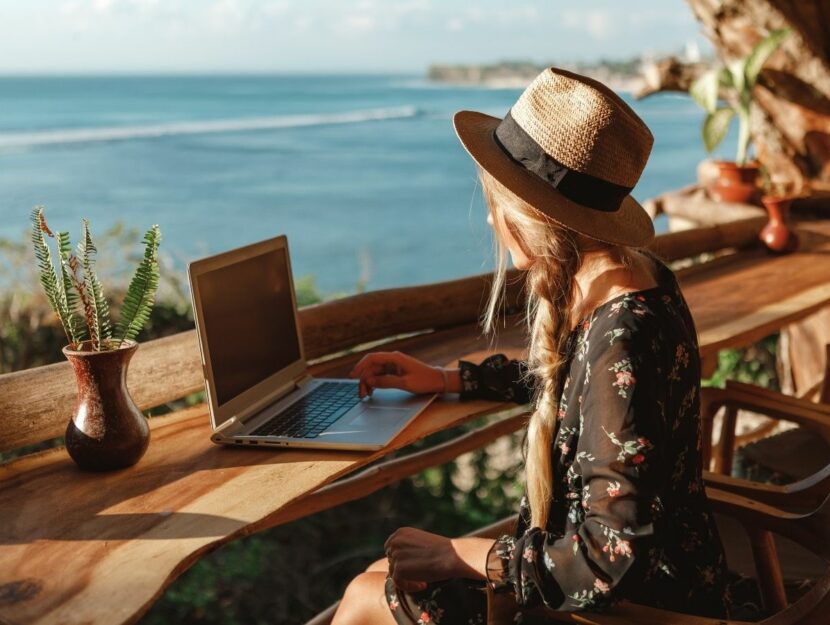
417	557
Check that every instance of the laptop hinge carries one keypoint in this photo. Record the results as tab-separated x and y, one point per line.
272	398
226	425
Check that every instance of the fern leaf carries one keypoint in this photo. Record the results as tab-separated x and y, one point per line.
76	274
142	290
55	295
99	312
70	294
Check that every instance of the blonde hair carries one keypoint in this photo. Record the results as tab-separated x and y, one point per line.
551	292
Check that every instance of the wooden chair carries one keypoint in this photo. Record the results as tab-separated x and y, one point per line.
761	522
796	564
758	510
813	416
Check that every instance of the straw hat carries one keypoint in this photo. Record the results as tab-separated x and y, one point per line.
571	148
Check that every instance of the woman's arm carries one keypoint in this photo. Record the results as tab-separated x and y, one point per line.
416	557
610	526
496	378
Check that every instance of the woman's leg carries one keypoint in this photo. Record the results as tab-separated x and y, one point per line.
364	602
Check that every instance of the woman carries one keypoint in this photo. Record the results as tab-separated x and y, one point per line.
615	506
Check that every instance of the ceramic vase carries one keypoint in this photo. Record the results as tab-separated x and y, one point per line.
776	235
735	183
107	431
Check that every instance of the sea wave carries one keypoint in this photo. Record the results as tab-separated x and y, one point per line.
123	133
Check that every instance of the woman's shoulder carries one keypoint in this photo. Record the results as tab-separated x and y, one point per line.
637	320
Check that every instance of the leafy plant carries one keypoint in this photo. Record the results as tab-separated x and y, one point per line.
77	283
737	79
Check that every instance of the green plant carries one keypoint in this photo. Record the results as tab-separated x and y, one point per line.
79	284
737	79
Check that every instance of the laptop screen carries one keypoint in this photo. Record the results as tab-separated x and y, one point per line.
248	322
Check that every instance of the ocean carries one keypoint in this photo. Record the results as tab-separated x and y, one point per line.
363	173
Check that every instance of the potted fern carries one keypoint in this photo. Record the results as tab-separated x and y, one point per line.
107	430
737	180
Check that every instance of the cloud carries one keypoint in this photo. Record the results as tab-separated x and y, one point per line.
412	6
455	24
596	22
358	23
513	14
303	23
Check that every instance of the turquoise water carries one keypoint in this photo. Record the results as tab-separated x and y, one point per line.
363	173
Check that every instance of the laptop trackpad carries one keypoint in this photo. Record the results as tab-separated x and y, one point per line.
379	417
369	419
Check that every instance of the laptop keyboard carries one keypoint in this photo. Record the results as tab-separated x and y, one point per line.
313	413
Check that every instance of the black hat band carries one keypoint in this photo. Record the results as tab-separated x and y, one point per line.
577	186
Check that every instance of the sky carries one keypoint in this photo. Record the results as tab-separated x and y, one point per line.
326	36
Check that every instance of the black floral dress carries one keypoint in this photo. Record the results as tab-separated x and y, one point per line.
629	517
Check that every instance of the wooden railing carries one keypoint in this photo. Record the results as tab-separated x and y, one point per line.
34	403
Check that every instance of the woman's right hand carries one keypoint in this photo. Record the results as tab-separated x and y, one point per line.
396	370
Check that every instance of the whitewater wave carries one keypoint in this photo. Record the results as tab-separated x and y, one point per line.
123	133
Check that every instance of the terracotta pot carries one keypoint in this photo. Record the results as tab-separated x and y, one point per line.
735	183
107	431
776	235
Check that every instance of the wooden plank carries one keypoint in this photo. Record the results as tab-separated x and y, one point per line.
687	243
765	320
380	475
756	293
341	324
800	496
184	498
726	442
36	404
770	578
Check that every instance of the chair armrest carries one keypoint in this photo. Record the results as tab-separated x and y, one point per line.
803	495
770	403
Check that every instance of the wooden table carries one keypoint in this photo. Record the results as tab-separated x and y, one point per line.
744	297
90	548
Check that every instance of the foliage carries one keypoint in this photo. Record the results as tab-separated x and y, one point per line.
753	365
738	78
59	294
79	283
142	290
99	312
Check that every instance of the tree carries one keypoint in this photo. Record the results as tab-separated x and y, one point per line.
791	122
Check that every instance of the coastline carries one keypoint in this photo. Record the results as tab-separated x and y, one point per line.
627	85
623	76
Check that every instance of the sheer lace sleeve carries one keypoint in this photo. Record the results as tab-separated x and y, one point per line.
619	457
497	378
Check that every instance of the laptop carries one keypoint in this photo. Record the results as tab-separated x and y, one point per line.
258	387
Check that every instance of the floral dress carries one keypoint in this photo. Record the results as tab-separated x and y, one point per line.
629	518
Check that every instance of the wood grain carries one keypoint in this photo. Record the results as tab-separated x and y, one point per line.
36	404
184	498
